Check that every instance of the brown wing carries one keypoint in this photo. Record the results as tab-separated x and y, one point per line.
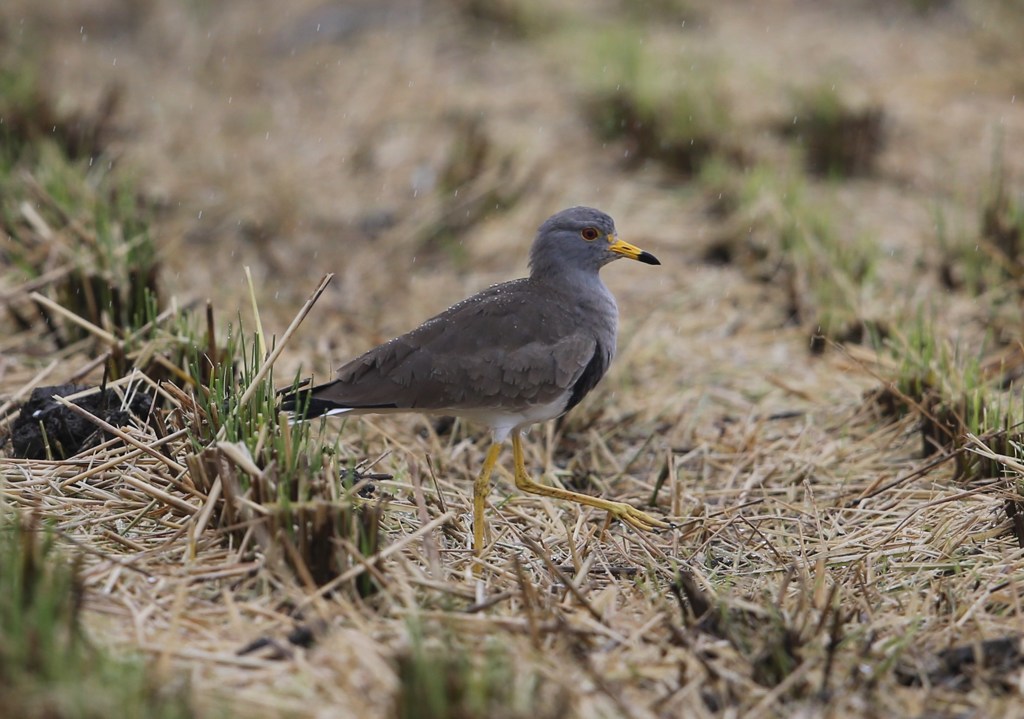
501	348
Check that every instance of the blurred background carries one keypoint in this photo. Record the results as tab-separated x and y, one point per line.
413	146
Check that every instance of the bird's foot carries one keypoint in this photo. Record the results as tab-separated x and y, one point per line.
636	518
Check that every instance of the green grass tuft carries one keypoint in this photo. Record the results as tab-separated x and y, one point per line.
48	667
664	108
838	140
451	681
312	505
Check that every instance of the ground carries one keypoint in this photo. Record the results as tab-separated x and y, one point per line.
412	148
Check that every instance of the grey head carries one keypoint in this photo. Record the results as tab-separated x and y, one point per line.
580	239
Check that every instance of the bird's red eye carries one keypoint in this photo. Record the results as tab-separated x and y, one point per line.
589	234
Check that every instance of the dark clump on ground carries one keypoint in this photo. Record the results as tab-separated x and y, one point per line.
45	428
992	661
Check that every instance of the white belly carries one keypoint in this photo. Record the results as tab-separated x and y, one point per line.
500	421
503	422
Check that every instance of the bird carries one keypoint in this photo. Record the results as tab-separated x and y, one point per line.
516	354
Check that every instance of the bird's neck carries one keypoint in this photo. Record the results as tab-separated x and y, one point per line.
572	277
580	288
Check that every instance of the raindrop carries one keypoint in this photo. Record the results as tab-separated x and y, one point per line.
200	215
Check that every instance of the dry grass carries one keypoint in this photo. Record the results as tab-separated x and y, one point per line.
822	568
822	563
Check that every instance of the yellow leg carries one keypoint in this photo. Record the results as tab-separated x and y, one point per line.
621	510
481	487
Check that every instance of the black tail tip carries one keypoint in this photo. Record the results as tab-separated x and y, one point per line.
296	402
297	399
304	405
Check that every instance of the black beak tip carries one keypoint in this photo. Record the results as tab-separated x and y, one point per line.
648	259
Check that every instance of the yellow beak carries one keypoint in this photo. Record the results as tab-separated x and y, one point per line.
621	247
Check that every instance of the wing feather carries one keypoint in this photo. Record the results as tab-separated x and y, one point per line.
503	347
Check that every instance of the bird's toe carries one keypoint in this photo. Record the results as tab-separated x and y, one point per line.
636	518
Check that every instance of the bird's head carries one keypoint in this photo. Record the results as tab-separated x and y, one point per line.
580	238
